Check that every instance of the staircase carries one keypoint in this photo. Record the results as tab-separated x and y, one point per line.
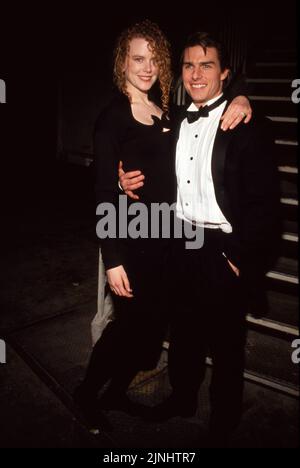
269	349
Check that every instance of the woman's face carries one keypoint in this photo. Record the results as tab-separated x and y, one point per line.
141	70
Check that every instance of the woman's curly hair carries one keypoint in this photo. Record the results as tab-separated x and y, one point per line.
161	50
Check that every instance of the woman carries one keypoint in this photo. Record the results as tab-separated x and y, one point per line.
135	130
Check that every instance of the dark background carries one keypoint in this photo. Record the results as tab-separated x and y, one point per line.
49	255
42	47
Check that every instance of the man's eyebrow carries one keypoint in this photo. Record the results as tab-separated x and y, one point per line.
209	62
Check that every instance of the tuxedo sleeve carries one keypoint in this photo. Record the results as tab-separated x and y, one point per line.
107	149
237	87
257	241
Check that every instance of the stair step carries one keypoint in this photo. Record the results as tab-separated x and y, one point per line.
290	246
284	308
274	70
283	64
283	277
289	201
287	266
290	237
268	81
291	227
270	98
270	87
284	108
271	356
284	388
289	188
286	155
285	130
272	327
289	210
278	55
288	178
288	170
286	142
283	119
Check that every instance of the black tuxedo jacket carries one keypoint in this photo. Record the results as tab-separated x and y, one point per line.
246	185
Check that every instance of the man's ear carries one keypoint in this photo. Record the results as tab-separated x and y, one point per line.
225	74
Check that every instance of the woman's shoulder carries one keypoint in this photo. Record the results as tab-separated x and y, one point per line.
115	112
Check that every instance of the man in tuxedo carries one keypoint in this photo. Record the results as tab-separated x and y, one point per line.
227	185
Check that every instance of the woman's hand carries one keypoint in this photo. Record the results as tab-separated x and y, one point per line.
118	281
239	109
130	181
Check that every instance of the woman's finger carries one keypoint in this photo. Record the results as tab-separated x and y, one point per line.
248	117
238	119
134	186
123	291
132	195
133	183
228	121
131	175
114	290
127	284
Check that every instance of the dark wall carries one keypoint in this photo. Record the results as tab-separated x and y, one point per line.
85	91
73	52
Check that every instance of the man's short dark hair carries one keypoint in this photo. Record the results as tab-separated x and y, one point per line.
205	40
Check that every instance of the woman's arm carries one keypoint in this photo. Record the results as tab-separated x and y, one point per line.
107	150
239	109
107	154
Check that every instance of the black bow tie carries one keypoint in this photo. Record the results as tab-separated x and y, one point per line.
192	116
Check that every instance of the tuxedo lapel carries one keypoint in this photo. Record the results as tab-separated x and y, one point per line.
177	118
218	162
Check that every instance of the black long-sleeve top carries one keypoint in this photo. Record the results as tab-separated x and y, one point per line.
120	137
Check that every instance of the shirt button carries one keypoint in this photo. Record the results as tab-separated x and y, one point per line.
188	181
196	136
186	204
191	159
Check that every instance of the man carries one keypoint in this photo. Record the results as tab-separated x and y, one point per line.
227	185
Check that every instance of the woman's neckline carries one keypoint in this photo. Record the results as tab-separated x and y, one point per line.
153	117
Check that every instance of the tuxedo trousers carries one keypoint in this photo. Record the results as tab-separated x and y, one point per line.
133	340
208	319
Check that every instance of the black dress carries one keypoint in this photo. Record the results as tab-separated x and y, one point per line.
119	136
132	342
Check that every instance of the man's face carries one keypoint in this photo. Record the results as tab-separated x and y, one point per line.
201	74
141	70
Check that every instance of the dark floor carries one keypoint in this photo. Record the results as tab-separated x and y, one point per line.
48	298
